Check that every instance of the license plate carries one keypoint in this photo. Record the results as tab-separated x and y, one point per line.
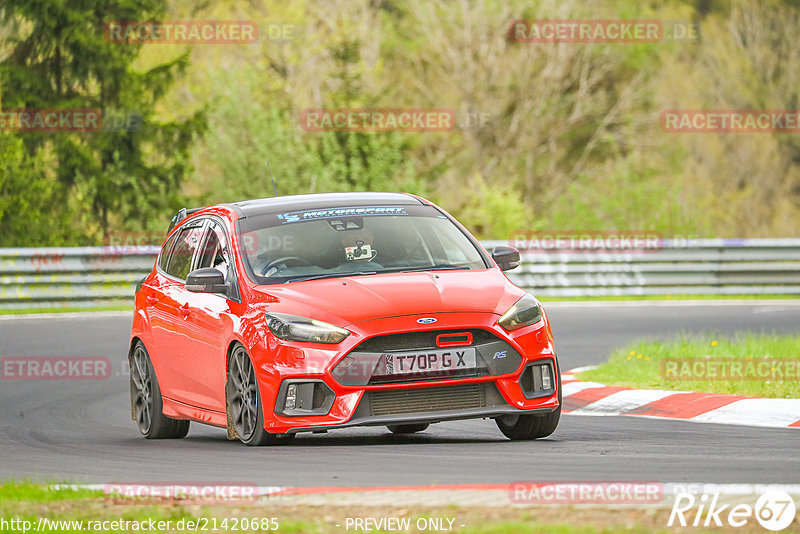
429	361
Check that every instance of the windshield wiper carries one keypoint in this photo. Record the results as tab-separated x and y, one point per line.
329	275
443	267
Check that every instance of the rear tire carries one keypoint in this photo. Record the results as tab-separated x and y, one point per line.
534	426
243	399
408	429
146	401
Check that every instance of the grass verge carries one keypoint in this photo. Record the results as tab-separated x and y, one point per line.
66	309
763	365
81	511
92	511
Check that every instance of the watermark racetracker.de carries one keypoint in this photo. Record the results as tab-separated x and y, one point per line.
133	242
378	120
207	493
70	120
587	241
55	368
730	369
135	32
119	244
601	31
51	120
143	32
584	492
730	121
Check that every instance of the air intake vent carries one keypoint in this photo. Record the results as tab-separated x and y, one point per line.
538	380
423	339
428	400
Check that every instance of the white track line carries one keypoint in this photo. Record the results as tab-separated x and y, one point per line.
580	369
575	387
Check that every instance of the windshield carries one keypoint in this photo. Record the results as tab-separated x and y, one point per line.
304	245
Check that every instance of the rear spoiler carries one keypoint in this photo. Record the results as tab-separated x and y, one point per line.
181	215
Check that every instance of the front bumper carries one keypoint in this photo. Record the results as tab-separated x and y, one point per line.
417	401
420	405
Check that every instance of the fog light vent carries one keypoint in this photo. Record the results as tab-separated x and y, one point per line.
537	380
304	397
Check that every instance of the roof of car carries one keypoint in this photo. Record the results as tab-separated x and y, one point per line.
261	206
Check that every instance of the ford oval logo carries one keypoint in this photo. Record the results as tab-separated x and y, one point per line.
426	320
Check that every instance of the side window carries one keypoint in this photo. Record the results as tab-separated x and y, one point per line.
215	251
163	259
187	243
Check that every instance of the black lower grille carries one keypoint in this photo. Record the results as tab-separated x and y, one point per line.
427	400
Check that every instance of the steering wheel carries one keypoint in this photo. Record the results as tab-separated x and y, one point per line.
297	261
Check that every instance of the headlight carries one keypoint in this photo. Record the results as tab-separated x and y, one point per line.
525	312
294	328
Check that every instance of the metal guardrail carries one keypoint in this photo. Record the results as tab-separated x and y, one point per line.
98	276
674	267
75	276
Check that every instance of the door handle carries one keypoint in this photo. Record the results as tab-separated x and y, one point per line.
151	301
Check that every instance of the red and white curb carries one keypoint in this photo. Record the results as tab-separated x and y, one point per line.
591	398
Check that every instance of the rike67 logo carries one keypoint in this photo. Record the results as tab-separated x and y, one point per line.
774	510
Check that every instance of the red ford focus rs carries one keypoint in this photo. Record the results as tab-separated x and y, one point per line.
308	313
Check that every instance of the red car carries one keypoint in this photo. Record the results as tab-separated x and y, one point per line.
314	312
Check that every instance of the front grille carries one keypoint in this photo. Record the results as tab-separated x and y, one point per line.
427	400
366	363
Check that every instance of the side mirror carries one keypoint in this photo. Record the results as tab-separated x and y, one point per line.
507	258
206	280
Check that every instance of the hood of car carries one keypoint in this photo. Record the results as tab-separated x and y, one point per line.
348	300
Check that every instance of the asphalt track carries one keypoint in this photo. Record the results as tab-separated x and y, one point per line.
81	430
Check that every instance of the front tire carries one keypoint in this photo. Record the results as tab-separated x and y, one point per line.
243	399
146	401
534	426
527	427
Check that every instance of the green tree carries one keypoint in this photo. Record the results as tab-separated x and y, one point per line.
117	177
27	199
